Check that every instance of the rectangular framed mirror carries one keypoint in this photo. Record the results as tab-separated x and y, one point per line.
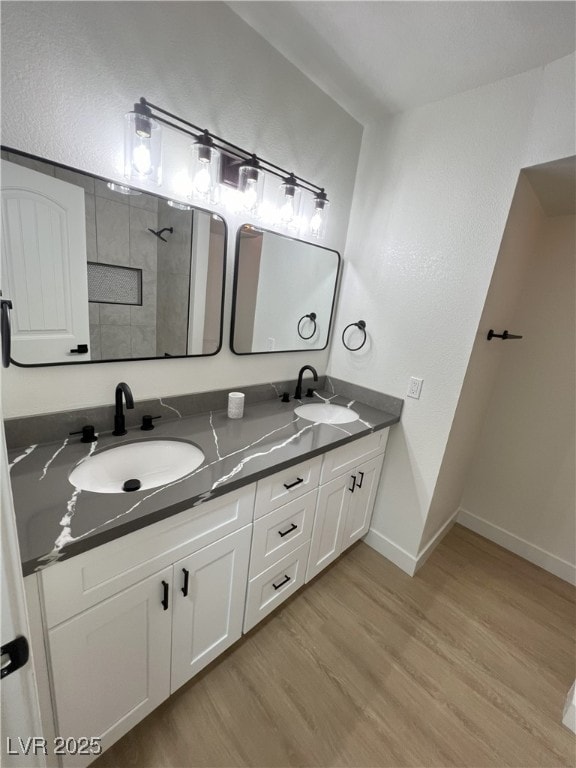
284	293
101	272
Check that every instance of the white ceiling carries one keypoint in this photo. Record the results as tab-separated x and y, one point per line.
378	56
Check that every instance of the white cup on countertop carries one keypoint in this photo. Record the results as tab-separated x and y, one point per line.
235	405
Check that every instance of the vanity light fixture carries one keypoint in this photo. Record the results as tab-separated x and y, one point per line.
289	198
142	145
319	216
205	169
217	162
251	185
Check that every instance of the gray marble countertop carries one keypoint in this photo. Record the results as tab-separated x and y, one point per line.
56	521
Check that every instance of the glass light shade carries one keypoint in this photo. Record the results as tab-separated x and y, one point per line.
250	186
142	148
204	171
319	217
288	203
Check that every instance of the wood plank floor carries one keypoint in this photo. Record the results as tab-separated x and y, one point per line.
466	664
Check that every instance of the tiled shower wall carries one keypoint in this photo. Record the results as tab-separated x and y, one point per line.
117	233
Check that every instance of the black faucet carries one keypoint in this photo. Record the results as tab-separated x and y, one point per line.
119	423
298	393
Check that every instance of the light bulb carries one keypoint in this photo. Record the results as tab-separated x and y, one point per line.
141	158
205	169
288	201
318	220
316	224
202	181
142	145
250	195
287	211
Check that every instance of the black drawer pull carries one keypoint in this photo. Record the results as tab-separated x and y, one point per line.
293	485
353	483
186	579
164	600
81	349
361	479
285	581
285	533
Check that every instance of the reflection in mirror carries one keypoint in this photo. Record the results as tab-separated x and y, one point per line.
97	271
284	291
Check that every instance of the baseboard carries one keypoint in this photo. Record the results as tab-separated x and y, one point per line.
399	556
551	563
424	554
396	554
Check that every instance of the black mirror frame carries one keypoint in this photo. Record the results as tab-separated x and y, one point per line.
235	288
4	148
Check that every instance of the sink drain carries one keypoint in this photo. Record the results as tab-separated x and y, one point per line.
132	485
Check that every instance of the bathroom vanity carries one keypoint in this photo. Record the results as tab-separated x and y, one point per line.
132	594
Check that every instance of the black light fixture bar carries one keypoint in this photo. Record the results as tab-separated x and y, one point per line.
227	146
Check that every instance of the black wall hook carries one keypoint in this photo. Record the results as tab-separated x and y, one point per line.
312	317
361	324
504	335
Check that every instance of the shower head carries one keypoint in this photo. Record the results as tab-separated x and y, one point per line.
159	233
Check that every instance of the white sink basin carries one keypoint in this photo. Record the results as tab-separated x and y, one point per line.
150	462
326	413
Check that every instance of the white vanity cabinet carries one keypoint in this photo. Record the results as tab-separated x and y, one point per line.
114	662
111	664
345	499
127	623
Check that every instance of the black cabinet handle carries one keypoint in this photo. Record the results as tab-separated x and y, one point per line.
81	349
186	580
285	533
284	581
293	485
164	600
361	479
14	655
353	477
6	306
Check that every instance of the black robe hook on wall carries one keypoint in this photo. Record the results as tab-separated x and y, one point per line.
505	335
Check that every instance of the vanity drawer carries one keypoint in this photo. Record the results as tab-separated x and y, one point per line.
282	531
86	579
269	589
348	456
291	483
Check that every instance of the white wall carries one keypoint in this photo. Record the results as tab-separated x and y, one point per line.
517	248
433	192
69	73
520	489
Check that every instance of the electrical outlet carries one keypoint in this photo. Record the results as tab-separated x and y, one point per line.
271	344
415	388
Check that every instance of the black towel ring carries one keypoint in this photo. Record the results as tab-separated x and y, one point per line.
361	324
312	318
6	306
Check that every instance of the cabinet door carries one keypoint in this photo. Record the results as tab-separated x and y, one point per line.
362	500
326	544
111	664
209	596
